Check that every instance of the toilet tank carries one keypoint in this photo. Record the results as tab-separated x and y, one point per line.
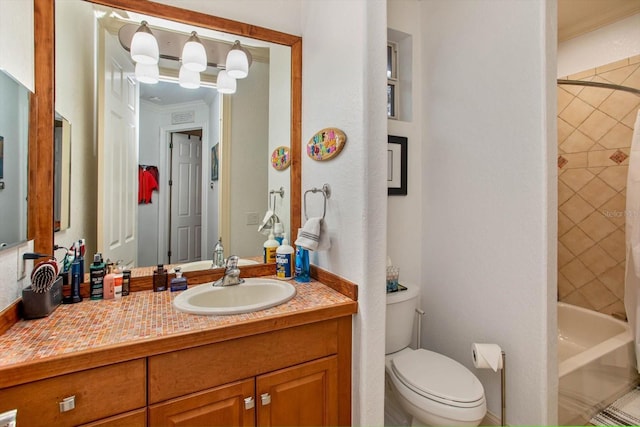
401	315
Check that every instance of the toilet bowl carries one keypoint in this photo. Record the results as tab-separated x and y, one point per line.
433	389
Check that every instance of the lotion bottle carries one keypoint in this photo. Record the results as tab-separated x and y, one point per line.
284	259
178	283
117	281
109	283
269	252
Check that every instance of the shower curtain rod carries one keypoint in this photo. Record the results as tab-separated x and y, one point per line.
598	84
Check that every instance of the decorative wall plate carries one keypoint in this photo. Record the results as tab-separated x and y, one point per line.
281	158
326	144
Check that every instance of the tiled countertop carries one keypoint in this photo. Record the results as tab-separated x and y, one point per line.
145	315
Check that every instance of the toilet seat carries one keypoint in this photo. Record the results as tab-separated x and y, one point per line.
438	378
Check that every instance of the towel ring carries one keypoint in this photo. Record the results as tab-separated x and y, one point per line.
326	193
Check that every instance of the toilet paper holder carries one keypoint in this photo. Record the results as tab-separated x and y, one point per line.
493	357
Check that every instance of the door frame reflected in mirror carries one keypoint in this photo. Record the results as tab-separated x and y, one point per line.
41	213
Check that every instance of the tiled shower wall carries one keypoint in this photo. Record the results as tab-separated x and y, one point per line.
595	127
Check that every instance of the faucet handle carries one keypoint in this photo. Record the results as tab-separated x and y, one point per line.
232	262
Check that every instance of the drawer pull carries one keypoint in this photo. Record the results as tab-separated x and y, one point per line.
265	398
249	403
68	404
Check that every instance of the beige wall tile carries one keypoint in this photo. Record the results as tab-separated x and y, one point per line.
595	95
612	66
597	260
576	112
614	245
618	105
564	256
615	176
564	98
576	241
564	130
597	294
618	137
630	119
576	178
564	192
583	75
601	158
613	210
618	75
577	142
615	308
576	160
634	60
597	124
564	223
577	273
564	286
576	298
577	209
597	226
634	79
613	279
597	192
597	170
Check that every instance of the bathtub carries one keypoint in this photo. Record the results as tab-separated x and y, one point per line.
596	362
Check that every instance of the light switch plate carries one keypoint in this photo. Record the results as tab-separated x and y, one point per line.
22	264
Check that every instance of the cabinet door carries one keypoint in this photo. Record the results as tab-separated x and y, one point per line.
220	406
130	419
303	395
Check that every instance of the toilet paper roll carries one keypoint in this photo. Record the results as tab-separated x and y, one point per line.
486	356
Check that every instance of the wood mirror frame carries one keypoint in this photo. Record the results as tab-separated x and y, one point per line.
40	201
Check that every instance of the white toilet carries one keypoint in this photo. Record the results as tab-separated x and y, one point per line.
434	389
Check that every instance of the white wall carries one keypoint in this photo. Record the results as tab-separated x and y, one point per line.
489	193
213	191
404	220
16	40
16	57
344	87
605	45
75	101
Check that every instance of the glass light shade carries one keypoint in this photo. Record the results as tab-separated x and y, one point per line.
188	79
225	83
147	73
194	56
144	46
237	62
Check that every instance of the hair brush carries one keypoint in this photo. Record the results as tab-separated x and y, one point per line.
44	275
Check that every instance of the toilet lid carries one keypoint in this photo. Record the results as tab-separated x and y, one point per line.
438	377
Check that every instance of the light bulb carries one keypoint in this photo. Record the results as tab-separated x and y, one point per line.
147	73
237	62
225	83
188	79
144	46
194	56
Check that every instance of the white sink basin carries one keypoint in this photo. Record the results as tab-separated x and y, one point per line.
252	295
206	264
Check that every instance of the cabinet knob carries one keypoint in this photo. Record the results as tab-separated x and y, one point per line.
249	403
67	404
265	398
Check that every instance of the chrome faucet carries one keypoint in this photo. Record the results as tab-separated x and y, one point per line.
231	273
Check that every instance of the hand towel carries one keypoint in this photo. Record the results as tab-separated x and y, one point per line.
314	235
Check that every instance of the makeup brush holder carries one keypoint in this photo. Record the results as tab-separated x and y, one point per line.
41	304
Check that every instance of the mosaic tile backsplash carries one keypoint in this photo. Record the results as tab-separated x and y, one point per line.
595	127
139	316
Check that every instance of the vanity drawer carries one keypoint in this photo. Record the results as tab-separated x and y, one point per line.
187	371
99	393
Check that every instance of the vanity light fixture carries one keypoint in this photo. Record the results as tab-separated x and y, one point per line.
144	46
188	79
194	56
225	83
237	64
147	73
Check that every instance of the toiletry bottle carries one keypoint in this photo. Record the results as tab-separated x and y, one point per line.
284	259
76	280
178	283
218	254
108	290
278	232
80	256
302	263
117	281
97	271
269	252
160	279
126	282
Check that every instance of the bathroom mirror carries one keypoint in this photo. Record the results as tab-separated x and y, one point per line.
14	141
240	129
61	172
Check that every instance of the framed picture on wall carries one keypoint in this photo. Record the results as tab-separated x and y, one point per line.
396	165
